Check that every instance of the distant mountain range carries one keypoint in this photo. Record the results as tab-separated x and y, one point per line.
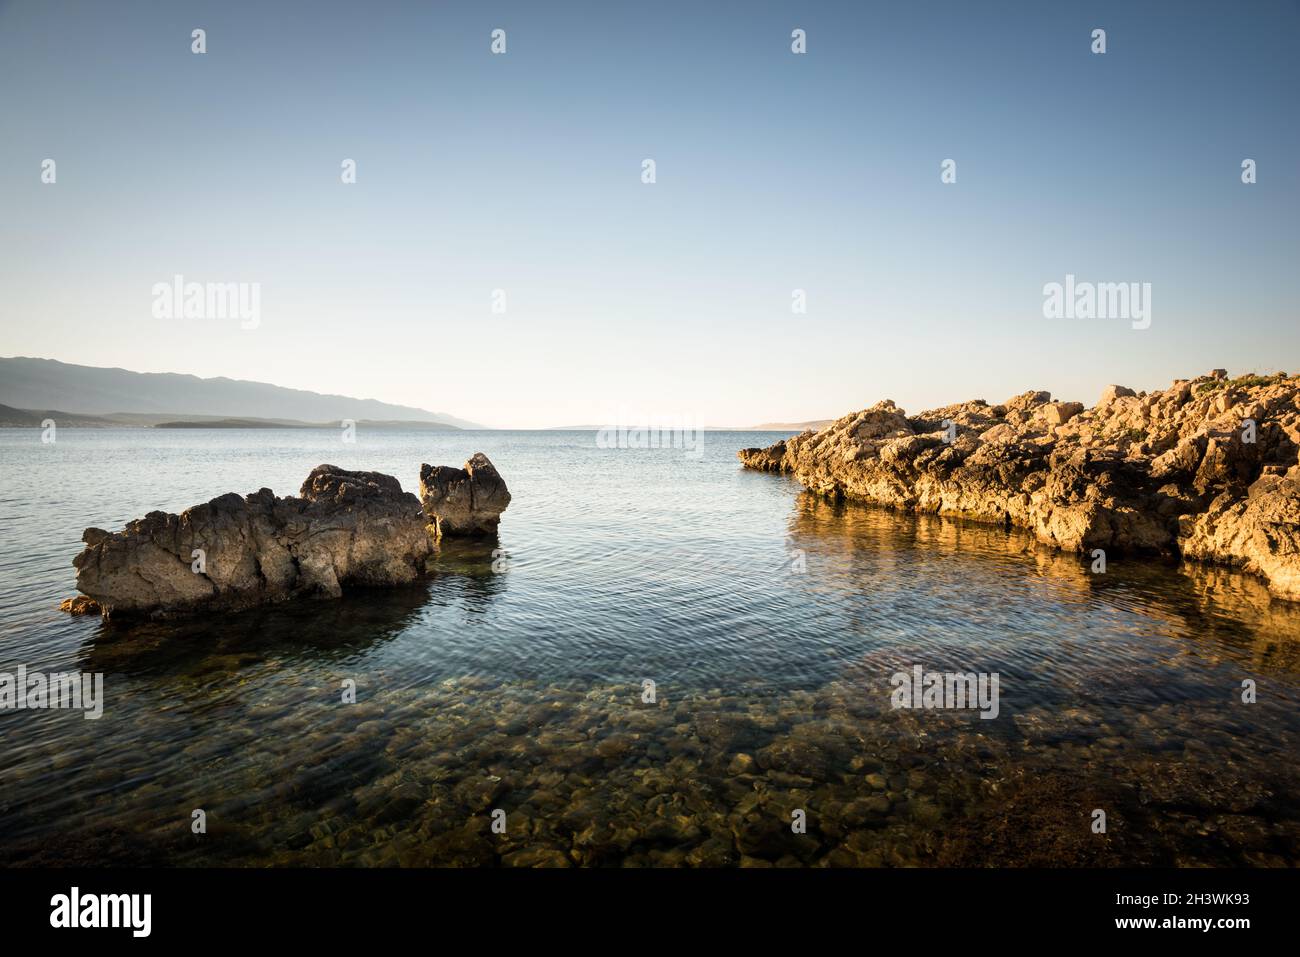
816	425
34	418
31	388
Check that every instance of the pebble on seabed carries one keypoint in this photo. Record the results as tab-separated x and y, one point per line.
594	778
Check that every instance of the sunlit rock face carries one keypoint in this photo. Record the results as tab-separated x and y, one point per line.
465	502
1206	468
343	529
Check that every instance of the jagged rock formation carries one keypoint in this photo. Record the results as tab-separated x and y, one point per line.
80	605
343	529
1206	468
465	502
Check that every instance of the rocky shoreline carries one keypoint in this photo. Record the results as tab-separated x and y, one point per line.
1206	469
343	529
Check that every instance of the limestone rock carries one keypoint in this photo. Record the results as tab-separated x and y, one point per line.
1113	392
766	460
465	502
1027	401
1170	471
1259	533
1058	413
344	528
80	605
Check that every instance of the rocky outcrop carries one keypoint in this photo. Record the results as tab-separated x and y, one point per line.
771	459
80	605
465	502
343	529
1259	533
1206	468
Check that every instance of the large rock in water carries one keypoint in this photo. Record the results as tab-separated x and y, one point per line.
344	528
465	502
1206	469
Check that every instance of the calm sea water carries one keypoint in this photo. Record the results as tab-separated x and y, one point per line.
769	621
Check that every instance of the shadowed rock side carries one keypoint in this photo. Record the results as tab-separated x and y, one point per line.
1206	469
465	502
345	528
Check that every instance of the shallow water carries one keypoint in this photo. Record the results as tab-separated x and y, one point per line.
769	621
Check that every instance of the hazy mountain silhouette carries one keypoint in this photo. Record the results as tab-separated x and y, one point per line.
48	384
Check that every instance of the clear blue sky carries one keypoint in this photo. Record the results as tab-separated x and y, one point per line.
775	172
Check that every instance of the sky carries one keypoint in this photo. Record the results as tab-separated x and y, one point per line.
627	301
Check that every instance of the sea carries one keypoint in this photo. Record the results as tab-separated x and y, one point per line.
665	660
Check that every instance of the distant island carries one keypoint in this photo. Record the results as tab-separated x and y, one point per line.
93	397
292	424
11	418
816	425
33	391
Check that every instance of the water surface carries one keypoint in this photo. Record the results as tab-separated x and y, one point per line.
769	621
